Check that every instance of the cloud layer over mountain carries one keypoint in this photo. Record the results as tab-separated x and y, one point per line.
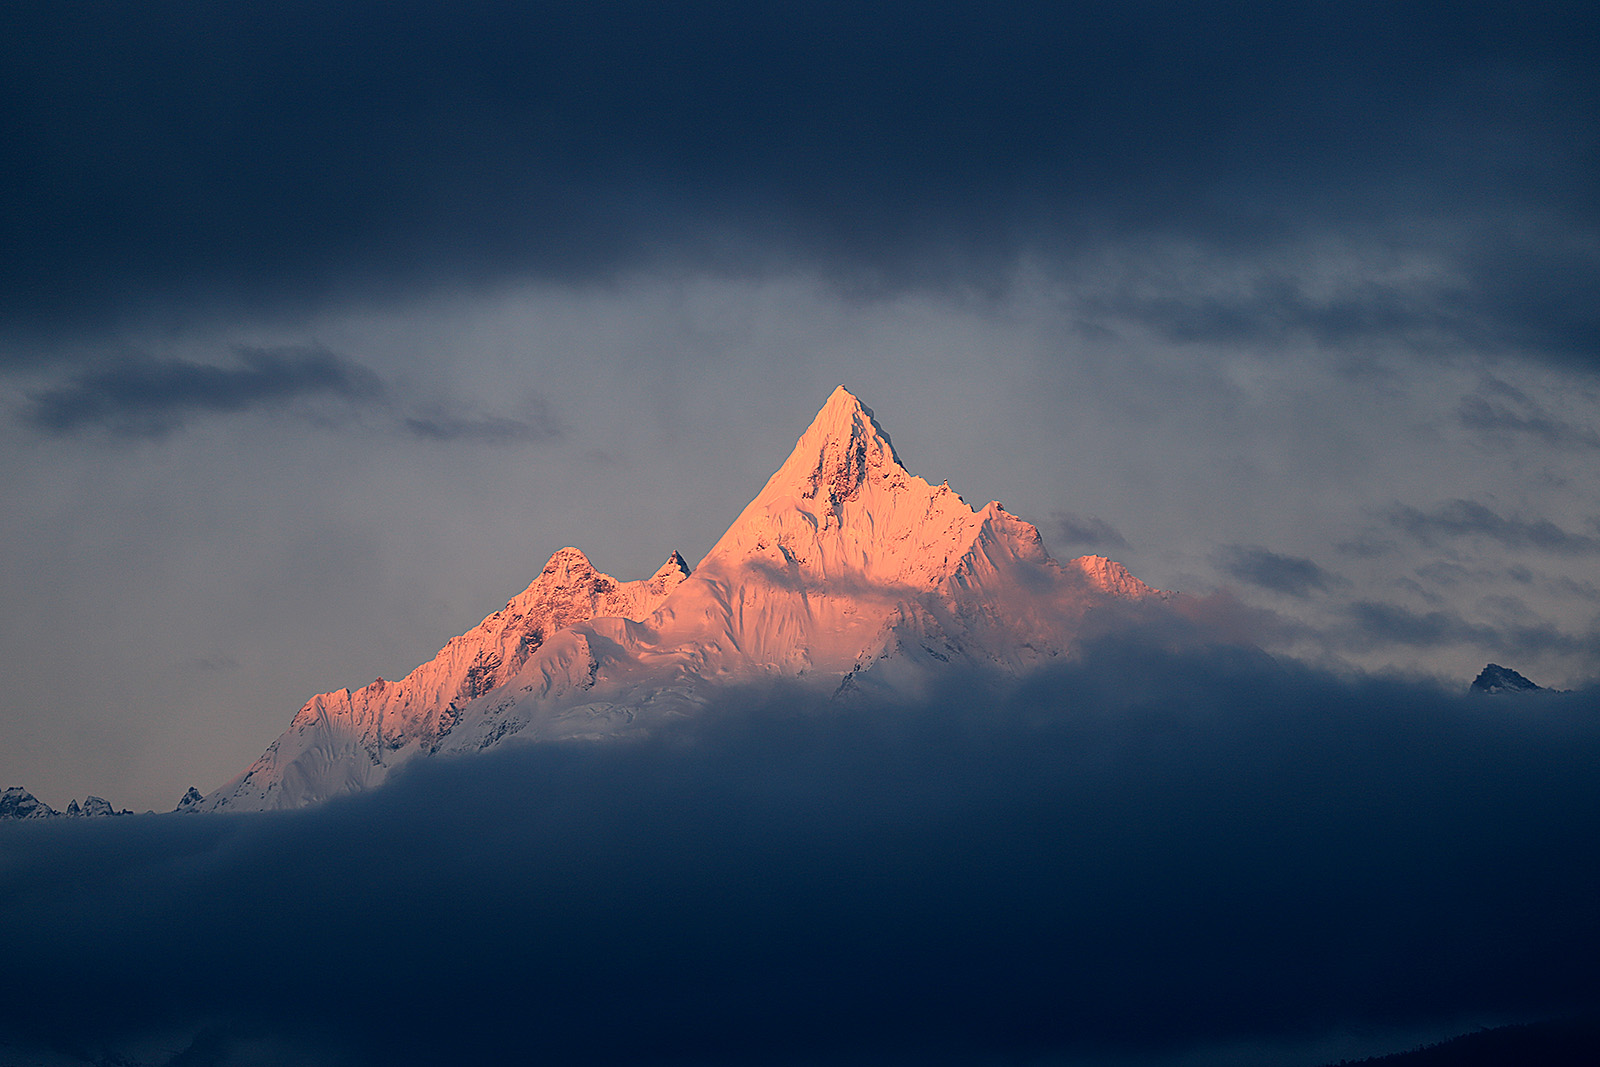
1147	856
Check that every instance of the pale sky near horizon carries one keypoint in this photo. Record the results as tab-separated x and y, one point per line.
321	331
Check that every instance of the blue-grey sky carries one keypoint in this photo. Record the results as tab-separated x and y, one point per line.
322	327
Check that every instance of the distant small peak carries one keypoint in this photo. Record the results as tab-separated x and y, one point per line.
674	565
17	803
99	808
1109	576
1497	679
190	798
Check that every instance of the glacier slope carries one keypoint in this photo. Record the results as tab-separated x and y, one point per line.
846	571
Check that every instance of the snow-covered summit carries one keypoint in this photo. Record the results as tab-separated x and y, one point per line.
840	452
845	572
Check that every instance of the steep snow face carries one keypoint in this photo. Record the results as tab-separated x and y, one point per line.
1109	576
348	741
845	558
846	570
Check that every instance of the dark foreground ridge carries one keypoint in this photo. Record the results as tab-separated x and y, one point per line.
1556	1043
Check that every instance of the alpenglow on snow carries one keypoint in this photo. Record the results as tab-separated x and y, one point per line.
846	573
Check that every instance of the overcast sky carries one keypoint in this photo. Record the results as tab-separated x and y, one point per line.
323	326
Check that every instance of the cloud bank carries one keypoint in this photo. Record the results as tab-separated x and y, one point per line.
1135	857
170	154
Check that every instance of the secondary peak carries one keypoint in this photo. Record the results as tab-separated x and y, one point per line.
674	565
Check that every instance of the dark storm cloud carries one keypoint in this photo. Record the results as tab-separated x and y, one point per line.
1271	570
179	151
142	397
1467	519
1141	853
1086	531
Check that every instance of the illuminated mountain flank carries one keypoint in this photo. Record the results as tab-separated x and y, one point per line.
846	573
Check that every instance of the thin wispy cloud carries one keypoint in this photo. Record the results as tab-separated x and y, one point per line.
1085	531
535	424
151	398
1501	410
1460	519
1376	624
1279	573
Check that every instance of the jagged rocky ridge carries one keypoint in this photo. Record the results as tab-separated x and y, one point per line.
17	803
1497	679
846	573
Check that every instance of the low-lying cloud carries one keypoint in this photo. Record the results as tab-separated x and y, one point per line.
1139	854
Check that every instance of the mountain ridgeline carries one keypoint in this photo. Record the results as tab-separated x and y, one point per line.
846	573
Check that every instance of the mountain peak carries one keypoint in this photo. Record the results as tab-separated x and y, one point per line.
667	576
844	416
845	570
1497	679
842	448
